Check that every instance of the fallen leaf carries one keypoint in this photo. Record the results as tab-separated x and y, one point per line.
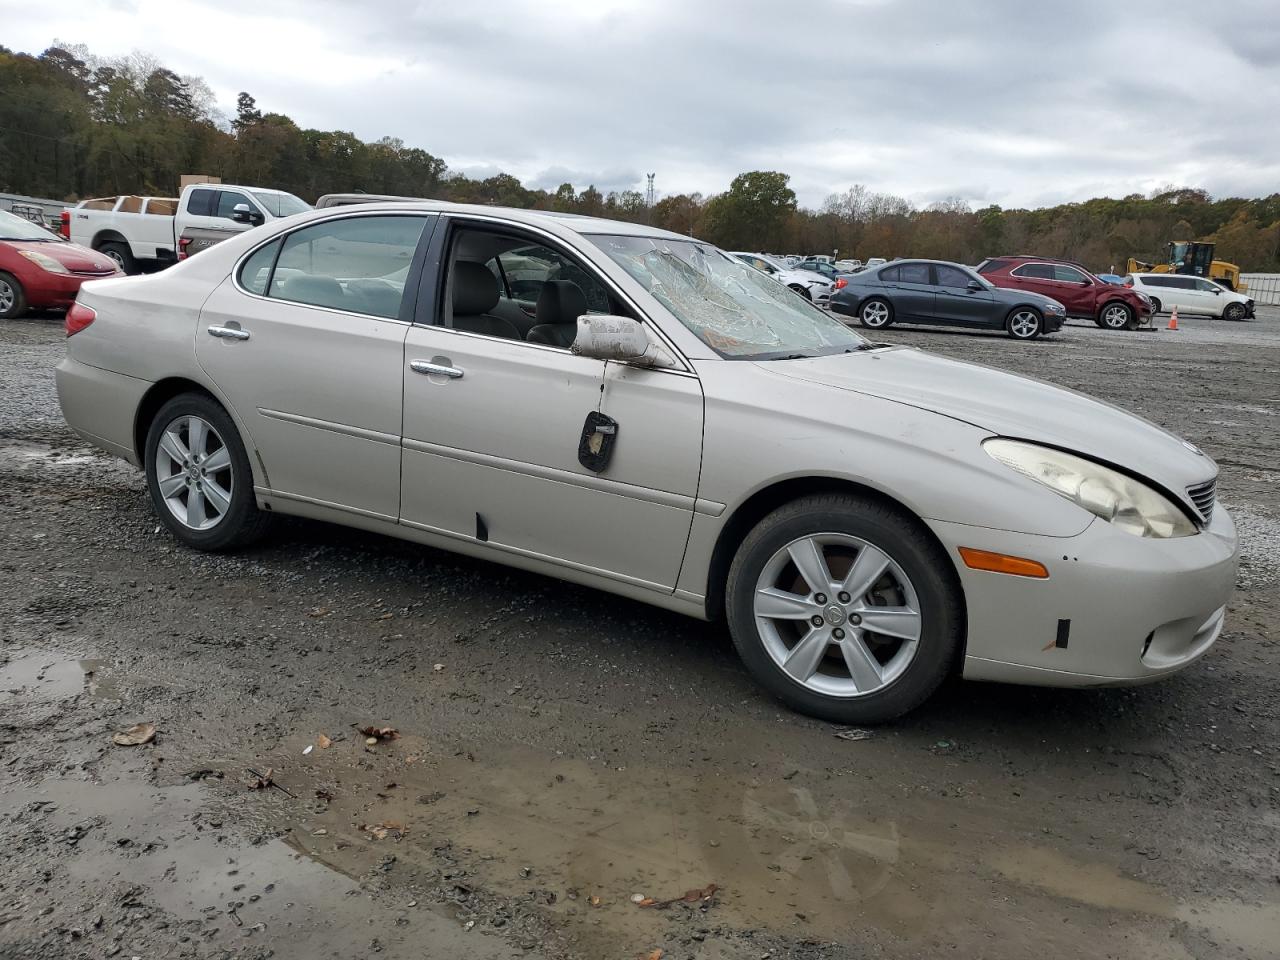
853	733
139	733
690	896
380	733
594	901
388	828
656	955
262	782
323	742
319	612
386	616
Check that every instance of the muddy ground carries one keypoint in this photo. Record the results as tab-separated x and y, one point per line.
562	751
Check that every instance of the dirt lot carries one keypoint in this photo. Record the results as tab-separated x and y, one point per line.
561	751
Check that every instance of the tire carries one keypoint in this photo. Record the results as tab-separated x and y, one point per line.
803	291
1156	307
875	313
1117	316
1024	323
121	254
1234	311
918	579
239	522
13	300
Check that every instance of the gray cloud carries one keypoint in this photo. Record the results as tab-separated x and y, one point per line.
1005	102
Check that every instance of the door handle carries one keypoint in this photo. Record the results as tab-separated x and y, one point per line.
228	333
427	368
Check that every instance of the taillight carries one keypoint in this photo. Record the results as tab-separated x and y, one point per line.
1128	281
79	317
841	283
64	224
183	243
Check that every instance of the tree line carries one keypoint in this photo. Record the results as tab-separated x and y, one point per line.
73	125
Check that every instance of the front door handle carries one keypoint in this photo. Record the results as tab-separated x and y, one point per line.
432	369
228	333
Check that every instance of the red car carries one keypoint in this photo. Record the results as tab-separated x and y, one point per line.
1084	295
40	269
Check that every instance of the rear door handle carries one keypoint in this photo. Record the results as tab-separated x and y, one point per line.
427	368
228	333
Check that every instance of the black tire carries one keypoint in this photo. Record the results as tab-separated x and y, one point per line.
121	254
803	291
1234	311
1018	324
242	523
909	545
1115	315
877	320
1156	307
13	299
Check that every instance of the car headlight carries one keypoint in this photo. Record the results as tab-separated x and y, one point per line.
44	262
1119	499
1144	298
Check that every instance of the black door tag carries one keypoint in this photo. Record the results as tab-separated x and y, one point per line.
599	433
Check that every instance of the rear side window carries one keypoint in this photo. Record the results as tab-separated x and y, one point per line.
1034	271
358	264
200	203
914	273
889	275
1182	283
1154	281
256	272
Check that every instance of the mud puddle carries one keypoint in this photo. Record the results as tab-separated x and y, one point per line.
39	677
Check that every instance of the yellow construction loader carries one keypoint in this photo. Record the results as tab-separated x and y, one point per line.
1193	257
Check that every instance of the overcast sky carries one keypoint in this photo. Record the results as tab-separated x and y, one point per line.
1015	102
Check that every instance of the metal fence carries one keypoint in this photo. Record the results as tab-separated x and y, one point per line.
1263	287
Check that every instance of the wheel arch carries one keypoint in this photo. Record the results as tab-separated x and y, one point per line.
109	236
764	501
1116	300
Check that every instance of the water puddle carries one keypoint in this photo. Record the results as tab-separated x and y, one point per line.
40	677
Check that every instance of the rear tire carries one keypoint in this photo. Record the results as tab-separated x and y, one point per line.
876	313
199	477
1118	316
121	254
13	300
845	670
1156	306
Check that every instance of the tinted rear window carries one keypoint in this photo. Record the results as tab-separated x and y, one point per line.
888	276
200	203
1034	271
992	265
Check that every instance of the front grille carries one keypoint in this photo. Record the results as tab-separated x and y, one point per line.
1203	496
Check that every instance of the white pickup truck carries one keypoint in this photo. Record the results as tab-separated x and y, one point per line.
148	232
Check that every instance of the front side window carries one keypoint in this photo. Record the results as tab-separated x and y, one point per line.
1067	274
951	277
359	264
1206	286
227	202
731	307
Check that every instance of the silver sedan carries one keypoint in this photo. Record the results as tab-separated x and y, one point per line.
638	411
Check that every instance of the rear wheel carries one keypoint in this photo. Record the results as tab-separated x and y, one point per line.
121	254
1118	316
1024	324
199	477
13	302
1234	311
1155	306
844	608
876	314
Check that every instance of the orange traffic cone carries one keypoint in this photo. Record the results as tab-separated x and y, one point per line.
1173	319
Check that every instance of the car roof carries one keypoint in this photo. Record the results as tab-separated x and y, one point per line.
1034	259
571	221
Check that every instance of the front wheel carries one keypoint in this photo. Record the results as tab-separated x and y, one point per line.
844	608
1234	311
199	477
1118	316
875	314
13	302
121	254
1024	324
803	291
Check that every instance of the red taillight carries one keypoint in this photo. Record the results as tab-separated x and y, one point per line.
64	224
183	243
841	283
79	317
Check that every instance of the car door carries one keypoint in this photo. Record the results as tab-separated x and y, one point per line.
956	301
912	292
1209	298
1075	290
1038	277
493	426
306	341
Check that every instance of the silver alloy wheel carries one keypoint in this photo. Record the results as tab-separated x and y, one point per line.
875	314
1116	316
1024	324
1155	306
115	255
837	614
193	472
7	296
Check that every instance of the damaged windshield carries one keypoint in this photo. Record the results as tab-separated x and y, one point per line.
736	310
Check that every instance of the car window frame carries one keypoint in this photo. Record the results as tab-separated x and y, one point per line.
937	276
928	273
408	301
253	207
429	300
1076	270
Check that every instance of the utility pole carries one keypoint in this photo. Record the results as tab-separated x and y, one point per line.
648	198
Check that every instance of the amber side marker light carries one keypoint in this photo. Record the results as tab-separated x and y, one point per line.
1002	563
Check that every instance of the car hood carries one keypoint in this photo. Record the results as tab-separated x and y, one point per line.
1013	406
74	257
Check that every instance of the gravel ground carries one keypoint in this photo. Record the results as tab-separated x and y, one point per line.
561	751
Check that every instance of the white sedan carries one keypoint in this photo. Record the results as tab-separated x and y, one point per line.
651	416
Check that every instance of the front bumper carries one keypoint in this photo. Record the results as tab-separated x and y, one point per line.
47	289
1116	609
1053	321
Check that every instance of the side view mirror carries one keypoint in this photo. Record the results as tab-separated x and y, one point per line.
1086	283
1216	291
603	336
242	213
973	285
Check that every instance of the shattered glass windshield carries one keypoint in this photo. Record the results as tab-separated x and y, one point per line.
733	308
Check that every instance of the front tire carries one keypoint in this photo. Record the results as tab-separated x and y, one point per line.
803	291
13	300
844	608
121	254
1024	323
1234	311
876	314
1118	316
199	477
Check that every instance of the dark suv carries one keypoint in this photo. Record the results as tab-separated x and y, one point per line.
1083	294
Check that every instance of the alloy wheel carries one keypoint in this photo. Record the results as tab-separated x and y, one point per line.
837	614
115	255
194	473
1024	324
875	314
1116	317
7	296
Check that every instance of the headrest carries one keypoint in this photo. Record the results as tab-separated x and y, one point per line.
320	291
560	301
475	288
